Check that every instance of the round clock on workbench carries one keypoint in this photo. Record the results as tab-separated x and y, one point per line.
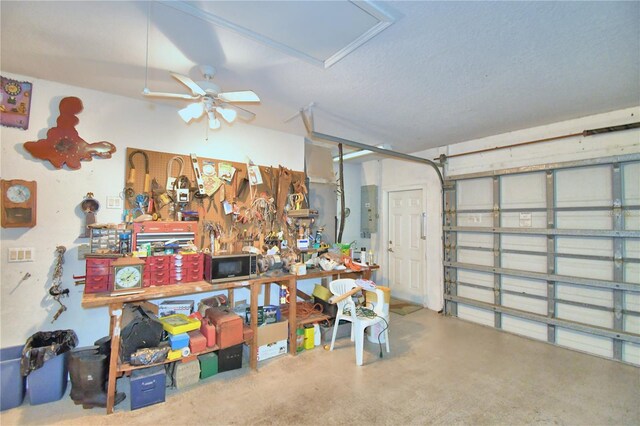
127	273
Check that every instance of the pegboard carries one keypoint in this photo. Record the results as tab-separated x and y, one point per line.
239	193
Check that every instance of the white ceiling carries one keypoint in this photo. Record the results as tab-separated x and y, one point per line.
444	72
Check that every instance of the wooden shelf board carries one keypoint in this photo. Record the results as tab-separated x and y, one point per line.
126	367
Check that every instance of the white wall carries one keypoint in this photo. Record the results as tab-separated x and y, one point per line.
352	184
125	122
396	174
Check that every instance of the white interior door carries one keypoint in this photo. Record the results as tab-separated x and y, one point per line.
405	246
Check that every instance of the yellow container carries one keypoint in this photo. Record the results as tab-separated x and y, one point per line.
371	296
322	292
173	355
179	323
309	337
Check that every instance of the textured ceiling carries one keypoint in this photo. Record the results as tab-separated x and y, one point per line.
444	72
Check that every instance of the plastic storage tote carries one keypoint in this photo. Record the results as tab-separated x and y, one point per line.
49	382
12	391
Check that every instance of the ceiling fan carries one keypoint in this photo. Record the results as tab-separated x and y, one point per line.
209	99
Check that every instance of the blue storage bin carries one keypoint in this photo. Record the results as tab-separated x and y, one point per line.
179	341
147	386
12	390
49	382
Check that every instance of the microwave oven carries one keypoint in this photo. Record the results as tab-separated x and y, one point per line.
230	267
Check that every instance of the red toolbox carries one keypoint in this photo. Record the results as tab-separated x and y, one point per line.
228	326
197	342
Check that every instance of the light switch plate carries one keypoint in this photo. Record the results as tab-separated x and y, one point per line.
114	202
21	254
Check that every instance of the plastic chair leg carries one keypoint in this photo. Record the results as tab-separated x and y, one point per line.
359	339
333	335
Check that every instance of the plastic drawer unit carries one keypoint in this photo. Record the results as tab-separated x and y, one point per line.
147	386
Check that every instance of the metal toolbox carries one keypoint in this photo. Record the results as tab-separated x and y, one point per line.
228	326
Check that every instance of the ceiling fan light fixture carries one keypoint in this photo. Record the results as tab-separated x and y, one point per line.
191	112
227	113
214	123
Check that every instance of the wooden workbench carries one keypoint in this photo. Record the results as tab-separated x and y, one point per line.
116	303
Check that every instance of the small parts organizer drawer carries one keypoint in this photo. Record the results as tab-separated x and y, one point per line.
158	270
98	278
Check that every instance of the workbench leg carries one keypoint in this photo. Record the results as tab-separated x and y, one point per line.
230	297
253	349
293	319
115	311
267	294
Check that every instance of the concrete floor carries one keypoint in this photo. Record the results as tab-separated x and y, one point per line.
440	371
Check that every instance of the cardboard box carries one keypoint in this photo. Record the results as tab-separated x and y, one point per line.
269	333
269	350
170	307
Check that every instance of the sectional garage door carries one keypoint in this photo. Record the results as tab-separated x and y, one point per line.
550	252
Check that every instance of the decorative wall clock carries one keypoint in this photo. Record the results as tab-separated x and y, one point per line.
18	203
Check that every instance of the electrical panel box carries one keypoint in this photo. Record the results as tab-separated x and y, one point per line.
368	210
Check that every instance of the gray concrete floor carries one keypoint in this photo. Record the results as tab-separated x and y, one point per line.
440	371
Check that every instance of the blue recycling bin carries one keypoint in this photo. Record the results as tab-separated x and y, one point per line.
12	390
49	382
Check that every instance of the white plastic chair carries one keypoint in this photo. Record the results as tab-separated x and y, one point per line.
359	323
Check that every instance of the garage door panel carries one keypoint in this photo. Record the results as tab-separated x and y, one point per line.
524	285
631	353
632	273
476	257
582	294
632	248
524	262
585	268
475	219
581	198
584	186
473	239
632	301
584	342
632	324
477	315
512	196
475	277
513	220
536	243
584	315
524	303
585	246
532	329
601	220
630	187
475	293
475	194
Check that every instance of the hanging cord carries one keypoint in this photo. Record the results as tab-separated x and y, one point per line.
170	164
146	61
368	313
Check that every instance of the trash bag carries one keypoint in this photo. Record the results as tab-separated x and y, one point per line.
45	345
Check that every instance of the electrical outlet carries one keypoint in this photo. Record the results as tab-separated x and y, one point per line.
114	202
21	254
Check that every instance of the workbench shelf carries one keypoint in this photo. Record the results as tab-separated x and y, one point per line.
126	367
116	303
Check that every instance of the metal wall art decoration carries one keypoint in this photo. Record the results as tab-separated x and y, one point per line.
63	144
15	103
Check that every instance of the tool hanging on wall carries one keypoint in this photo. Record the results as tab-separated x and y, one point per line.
132	171
200	193
170	179
56	291
89	207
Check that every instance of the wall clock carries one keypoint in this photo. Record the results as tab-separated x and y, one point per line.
18	203
127	273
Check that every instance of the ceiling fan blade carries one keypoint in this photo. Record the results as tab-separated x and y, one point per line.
228	114
214	123
192	111
242	113
243	96
197	90
147	92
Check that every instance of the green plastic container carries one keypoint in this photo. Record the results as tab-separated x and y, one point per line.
208	365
